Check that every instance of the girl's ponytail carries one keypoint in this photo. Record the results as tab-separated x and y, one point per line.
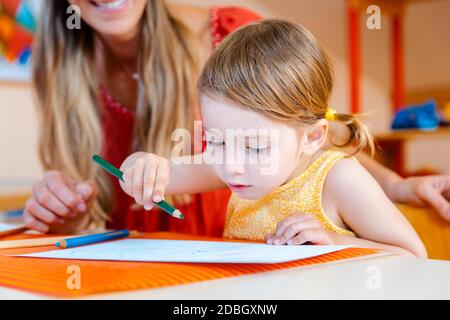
359	138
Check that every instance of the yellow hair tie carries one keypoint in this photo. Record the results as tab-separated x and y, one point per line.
330	115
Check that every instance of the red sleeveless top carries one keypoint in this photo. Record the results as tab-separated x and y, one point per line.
205	214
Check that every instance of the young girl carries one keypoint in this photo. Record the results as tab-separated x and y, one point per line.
264	100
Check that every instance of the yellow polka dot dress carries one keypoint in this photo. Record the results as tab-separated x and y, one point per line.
254	219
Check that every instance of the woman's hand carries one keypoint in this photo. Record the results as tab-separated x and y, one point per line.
422	191
299	229
56	200
145	178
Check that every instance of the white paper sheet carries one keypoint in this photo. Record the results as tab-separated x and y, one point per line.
9	226
188	251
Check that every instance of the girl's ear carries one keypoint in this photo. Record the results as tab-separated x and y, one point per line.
315	136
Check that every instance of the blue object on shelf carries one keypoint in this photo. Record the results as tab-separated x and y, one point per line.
422	117
25	17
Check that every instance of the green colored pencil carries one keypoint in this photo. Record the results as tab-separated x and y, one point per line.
174	212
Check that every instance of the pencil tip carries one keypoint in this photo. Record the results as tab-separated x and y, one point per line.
178	214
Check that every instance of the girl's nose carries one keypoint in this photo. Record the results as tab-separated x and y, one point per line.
234	167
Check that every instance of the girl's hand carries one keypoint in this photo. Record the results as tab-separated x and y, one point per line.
145	178
57	199
299	229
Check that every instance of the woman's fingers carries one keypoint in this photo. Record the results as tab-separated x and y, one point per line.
59	187
88	191
41	213
48	200
432	193
56	198
38	218
32	223
438	202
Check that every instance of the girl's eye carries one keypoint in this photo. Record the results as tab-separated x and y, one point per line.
215	143
256	149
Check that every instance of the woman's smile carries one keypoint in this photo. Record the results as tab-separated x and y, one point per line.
114	6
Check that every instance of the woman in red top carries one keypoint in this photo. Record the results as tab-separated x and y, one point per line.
119	80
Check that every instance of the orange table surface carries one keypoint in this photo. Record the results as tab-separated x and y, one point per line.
49	276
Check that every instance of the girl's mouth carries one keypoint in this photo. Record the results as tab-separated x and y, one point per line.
110	6
238	187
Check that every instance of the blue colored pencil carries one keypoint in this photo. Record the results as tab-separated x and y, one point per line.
92	238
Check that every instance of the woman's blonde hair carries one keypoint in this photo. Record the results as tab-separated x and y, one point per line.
67	93
278	69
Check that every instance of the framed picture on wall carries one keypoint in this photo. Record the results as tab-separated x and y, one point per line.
18	19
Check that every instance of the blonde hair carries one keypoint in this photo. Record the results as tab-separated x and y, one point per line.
278	69
67	93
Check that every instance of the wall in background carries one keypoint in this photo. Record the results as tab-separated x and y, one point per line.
19	165
427	65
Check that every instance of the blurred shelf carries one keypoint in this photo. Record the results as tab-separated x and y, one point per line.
412	134
392	145
13	201
13	197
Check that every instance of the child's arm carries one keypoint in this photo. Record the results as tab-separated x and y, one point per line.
194	176
363	206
